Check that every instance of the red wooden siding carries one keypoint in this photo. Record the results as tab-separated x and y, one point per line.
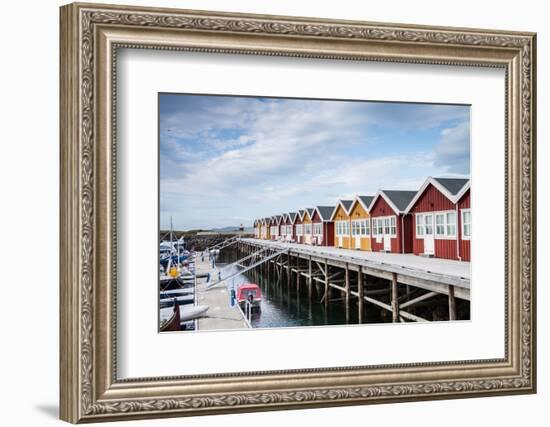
464	203
382	208
432	200
328	233
328	227
299	239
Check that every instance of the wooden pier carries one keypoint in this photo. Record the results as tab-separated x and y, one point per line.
221	315
395	283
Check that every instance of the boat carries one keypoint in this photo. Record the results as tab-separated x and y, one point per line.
181	299
186	312
175	283
173	321
176	292
249	293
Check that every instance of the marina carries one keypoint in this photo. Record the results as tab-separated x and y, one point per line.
243	283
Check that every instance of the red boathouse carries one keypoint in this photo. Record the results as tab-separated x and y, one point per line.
391	229
441	218
323	227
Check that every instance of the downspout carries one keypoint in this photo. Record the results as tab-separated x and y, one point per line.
457	231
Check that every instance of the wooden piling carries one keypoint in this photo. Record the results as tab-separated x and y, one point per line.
452	303
347	296
394	299
326	283
361	292
309	279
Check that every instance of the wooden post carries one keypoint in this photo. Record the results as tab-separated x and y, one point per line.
347	292
394	299
309	279
452	303
361	292
288	269
298	275
326	283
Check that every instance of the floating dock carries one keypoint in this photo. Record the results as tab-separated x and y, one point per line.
220	315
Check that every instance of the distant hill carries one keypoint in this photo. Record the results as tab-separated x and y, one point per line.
232	228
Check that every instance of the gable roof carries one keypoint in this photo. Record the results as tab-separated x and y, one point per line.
301	213
452	188
364	200
345	204
397	199
278	219
325	212
453	185
292	216
309	211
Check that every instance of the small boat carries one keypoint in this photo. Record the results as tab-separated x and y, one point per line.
176	292
171	283
171	322
181	299
249	293
186	312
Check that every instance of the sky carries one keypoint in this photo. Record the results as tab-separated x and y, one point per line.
226	160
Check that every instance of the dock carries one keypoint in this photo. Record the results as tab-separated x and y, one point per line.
220	314
400	282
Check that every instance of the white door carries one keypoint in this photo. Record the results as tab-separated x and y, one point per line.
340	244
429	246
387	243
387	235
357	242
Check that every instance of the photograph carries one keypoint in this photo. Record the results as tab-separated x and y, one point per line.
295	212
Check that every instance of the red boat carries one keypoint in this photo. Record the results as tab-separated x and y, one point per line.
250	292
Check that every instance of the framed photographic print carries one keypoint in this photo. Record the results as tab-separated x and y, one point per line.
265	212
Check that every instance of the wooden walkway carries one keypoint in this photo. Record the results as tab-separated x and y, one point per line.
220	314
411	281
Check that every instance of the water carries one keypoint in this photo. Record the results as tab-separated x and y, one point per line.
284	306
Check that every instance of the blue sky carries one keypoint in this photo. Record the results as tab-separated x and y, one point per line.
225	160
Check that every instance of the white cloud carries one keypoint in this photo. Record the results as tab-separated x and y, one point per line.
452	153
287	155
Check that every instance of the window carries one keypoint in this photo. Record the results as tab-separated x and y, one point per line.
308	229
393	228
355	228
342	228
299	229
440	224
445	224
419	224
428	224
451	224
466	224
317	229
367	227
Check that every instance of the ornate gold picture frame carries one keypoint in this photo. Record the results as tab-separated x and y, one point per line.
90	37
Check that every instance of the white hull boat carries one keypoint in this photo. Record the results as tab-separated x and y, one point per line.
187	312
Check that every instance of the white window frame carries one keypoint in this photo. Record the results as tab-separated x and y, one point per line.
307	228
342	228
299	229
419	223
445	235
317	228
385	222
462	212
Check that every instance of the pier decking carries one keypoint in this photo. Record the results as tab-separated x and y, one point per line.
220	315
410	281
